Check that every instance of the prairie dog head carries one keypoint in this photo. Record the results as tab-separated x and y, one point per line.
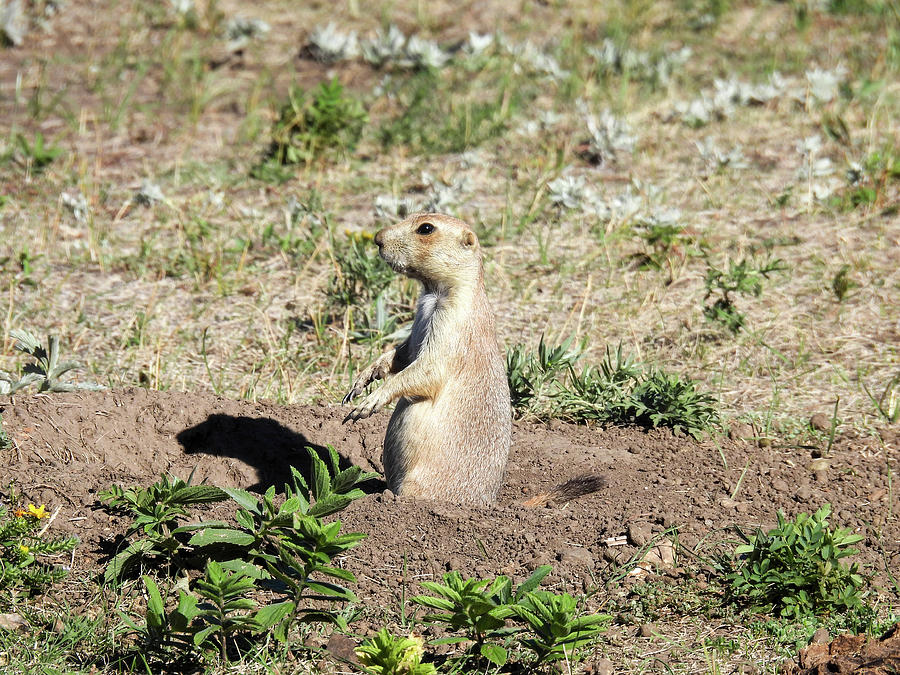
433	248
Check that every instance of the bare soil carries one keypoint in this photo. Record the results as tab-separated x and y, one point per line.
68	447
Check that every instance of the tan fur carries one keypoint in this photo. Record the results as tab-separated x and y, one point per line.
449	436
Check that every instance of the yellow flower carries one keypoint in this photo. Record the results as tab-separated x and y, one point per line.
18	513
24	548
37	512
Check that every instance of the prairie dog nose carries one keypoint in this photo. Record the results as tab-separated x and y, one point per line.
379	238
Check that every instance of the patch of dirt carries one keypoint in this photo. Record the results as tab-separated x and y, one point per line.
68	447
850	654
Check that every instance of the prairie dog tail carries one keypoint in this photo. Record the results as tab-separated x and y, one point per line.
571	489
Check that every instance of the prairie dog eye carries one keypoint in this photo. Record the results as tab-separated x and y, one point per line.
425	228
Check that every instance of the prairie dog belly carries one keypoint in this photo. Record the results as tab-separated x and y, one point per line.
428	448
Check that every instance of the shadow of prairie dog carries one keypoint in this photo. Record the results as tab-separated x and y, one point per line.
449	436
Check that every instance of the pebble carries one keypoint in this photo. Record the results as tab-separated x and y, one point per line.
780	485
647	630
639	534
821	637
820	422
576	555
603	667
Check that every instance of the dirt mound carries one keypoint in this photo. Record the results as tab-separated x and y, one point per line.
70	446
850	654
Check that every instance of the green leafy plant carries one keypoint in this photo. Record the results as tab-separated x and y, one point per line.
156	511
307	128
796	569
25	551
209	617
744	278
37	154
842	284
228	609
470	111
479	608
47	370
617	391
663	242
533	376
291	542
387	654
556	631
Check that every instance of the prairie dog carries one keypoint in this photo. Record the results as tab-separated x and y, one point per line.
448	438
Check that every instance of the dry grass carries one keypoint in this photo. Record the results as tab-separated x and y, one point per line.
188	293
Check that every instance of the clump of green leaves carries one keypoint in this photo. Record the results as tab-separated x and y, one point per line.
387	654
663	242
842	283
556	630
25	550
308	127
46	372
156	511
742	278
547	624
36	155
617	391
470	111
479	608
795	569
211	616
287	547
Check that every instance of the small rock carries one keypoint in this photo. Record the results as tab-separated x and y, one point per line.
342	648
647	630
804	493
820	422
741	431
603	667
639	534
821	475
576	555
661	555
13	622
780	485
388	496
764	442
821	637
812	656
727	503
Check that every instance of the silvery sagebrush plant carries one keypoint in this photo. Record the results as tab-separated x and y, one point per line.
240	30
527	54
639	64
76	202
815	169
823	84
391	207
715	158
567	191
47	370
329	44
386	46
13	23
442	197
392	48
608	134
477	43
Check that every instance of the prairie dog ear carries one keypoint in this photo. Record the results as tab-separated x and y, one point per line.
469	239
